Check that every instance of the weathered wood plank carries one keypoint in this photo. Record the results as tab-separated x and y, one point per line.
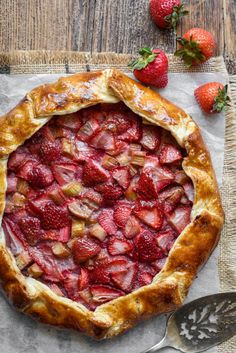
229	7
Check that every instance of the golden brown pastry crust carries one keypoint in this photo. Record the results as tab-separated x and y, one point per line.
192	248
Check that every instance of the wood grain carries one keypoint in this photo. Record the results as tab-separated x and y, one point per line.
108	25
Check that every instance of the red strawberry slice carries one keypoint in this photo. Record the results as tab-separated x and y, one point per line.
64	173
11	183
69	121
134	133
30	227
147	248
26	168
117	264
40	177
71	284
117	122
125	280
92	198
103	140
170	154
151	138
50	151
84	249
46	134
144	278
83	279
64	234
36	205
189	190
110	191
54	217
150	213
159	263
106	220
120	146
132	227
165	239
103	294
14	238
100	274
122	176
17	159
118	246
94	173
88	130
170	198
121	214
180	218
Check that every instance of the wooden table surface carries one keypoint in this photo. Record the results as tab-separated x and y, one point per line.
121	26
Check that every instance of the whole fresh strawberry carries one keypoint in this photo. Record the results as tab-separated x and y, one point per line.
166	13
212	97
197	46
151	67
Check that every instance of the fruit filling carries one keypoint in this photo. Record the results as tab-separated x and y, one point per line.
95	201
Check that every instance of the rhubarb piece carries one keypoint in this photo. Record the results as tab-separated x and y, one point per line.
138	158
180	218
72	189
30	227
151	138
23	260
122	176
60	250
54	217
150	213
54	287
88	129
181	177
124	158
80	210
109	162
132	227
105	219
130	192
78	227
67	148
18	199
69	121
93	173
57	196
103	140
22	186
170	154
189	190
98	232
35	271
84	249
147	248
103	294
12	181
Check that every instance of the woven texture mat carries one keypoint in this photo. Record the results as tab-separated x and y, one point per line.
35	62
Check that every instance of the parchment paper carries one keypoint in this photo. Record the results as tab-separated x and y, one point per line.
19	333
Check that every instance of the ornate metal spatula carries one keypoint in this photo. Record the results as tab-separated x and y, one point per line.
200	324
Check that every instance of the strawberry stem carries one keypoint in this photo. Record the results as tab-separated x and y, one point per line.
174	17
190	51
146	57
221	100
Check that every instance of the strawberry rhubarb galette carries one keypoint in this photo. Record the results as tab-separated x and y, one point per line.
109	203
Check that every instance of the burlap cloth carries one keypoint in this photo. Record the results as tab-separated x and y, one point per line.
22	62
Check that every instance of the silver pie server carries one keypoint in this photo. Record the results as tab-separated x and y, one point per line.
200	324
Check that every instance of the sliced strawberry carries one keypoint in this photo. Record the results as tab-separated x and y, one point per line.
165	238
110	191
132	227
88	130
83	281
118	246
26	168
56	289
103	140
122	214
144	278
134	133
125	280
170	154
64	173
64	234
84	249
37	204
122	176
117	122
181	177
180	218
69	121
46	133
40	177
17	159
11	183
150	213
120	146
159	263
30	227
15	242
103	294
54	217
189	190
71	284
100	274
94	173
118	264
50	151
106	220
147	248
80	209
151	138
92	198
170	198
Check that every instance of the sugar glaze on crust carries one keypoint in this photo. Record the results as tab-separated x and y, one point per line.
189	252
